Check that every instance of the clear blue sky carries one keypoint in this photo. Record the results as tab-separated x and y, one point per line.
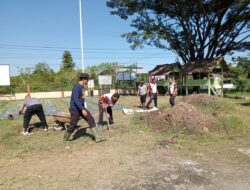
35	31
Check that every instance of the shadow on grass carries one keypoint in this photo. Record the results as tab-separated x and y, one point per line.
35	126
81	133
245	104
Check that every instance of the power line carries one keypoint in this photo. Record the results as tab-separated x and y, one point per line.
89	52
63	48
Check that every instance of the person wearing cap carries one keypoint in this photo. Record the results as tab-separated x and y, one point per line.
77	109
105	104
152	92
33	106
142	92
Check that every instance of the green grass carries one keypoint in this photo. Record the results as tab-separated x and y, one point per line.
236	93
232	122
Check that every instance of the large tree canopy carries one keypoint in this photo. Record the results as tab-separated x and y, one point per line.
193	29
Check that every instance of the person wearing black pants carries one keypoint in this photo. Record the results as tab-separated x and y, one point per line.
153	93
34	106
142	92
108	111
75	116
172	92
153	96
77	109
106	102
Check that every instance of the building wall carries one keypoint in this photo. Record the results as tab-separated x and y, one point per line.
58	94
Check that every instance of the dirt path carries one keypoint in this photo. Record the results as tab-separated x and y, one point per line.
122	162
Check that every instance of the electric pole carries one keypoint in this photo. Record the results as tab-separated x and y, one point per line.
80	11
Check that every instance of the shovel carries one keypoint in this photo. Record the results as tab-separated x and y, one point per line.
11	116
108	124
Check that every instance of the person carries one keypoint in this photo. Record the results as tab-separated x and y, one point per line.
142	92
152	92
77	109
33	106
105	104
172	92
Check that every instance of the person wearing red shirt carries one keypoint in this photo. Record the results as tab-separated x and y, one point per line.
105	104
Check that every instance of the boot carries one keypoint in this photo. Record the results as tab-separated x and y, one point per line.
97	134
66	136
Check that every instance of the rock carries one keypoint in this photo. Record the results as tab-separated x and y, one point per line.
174	176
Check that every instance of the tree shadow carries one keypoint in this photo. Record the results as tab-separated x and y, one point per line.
245	104
82	132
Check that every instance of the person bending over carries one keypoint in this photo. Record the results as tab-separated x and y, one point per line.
33	106
105	104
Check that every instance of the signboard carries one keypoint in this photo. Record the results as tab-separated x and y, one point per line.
4	75
126	75
105	79
160	77
91	83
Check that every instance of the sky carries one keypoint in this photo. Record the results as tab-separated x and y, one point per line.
34	31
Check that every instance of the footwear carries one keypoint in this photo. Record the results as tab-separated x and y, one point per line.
45	129
100	126
66	136
111	122
26	133
97	134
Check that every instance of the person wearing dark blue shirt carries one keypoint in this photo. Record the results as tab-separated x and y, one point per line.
77	109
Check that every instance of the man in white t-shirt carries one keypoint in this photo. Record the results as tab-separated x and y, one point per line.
142	92
172	92
152	92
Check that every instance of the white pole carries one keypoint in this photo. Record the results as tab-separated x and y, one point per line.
80	11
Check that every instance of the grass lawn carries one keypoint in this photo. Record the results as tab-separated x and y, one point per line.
78	163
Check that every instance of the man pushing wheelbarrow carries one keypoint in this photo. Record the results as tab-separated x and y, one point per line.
77	109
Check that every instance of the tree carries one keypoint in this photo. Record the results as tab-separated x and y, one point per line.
243	65
42	68
193	29
66	79
42	77
241	68
67	62
104	69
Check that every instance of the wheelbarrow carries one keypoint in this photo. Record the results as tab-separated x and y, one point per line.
61	119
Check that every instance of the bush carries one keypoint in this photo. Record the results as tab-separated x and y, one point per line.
242	83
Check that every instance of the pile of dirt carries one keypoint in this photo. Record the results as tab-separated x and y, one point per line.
200	99
183	116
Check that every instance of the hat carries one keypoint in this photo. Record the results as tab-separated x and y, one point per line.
84	76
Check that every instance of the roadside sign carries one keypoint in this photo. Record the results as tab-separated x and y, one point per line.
91	83
105	79
4	75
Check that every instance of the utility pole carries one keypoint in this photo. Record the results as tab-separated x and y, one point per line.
80	11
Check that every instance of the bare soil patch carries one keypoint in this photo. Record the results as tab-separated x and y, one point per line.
200	99
185	116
